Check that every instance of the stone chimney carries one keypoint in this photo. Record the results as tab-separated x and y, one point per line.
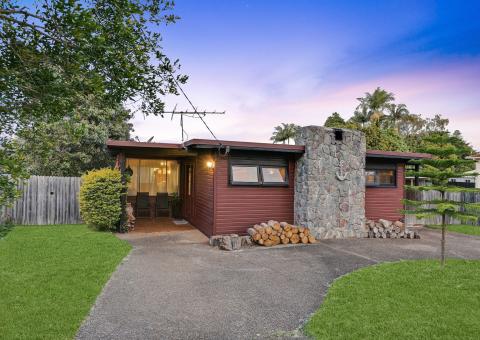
330	182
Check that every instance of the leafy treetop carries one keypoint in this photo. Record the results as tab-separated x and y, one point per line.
335	121
59	57
284	133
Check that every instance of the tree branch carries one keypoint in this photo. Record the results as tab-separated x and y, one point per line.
36	28
23	12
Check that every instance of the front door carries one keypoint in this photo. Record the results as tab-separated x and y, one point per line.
188	190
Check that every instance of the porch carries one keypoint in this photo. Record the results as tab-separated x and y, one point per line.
161	225
160	183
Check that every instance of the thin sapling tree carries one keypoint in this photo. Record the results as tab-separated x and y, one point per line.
447	161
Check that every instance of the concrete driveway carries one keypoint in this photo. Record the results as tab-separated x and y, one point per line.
174	286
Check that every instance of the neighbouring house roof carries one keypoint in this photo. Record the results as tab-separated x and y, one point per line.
475	156
131	146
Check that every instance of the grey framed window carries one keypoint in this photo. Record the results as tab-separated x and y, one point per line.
244	174
381	177
258	172
274	175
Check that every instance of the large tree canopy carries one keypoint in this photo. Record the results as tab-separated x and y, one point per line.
391	127
62	58
74	145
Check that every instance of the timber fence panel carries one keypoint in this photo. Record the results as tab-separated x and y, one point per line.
469	197
46	200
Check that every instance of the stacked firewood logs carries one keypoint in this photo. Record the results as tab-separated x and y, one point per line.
388	229
274	233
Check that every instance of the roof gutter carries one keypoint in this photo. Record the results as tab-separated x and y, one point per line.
232	147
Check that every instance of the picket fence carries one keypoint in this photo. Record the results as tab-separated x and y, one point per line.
46	200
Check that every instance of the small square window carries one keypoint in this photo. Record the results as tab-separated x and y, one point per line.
370	177
245	174
380	178
274	174
386	177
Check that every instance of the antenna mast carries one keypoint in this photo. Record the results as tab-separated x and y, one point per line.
192	114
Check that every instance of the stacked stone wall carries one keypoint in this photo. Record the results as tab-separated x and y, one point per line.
330	182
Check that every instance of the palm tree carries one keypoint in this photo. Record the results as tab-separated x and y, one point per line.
374	104
283	133
396	114
360	117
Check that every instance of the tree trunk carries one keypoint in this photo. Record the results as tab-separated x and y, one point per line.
444	227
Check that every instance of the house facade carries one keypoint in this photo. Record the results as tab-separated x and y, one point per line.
328	181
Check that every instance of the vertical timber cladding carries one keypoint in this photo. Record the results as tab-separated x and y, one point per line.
330	182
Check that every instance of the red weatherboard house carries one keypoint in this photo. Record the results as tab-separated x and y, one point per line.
328	181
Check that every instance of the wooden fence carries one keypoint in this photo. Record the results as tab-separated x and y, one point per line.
469	197
46	200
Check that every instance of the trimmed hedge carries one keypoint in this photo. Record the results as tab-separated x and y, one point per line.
100	195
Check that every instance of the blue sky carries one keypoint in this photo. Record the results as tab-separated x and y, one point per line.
267	62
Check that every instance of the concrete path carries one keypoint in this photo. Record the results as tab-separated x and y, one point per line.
174	286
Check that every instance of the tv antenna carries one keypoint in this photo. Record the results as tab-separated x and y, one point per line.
192	114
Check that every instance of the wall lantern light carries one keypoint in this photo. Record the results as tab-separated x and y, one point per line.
210	164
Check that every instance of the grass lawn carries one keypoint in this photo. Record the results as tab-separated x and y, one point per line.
460	228
50	277
402	300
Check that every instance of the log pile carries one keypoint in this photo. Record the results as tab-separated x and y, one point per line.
274	233
230	242
388	229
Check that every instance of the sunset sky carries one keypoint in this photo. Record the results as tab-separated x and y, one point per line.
268	62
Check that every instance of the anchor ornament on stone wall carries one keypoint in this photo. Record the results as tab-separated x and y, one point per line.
341	174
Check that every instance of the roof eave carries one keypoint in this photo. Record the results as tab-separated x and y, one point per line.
396	155
247	148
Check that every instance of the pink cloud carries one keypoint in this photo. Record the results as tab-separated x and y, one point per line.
255	107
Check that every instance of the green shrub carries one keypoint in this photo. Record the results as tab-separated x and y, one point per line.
384	139
5	227
100	195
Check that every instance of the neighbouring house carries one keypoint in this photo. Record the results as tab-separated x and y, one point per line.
469	181
465	181
328	181
476	158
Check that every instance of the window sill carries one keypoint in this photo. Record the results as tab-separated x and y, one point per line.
259	185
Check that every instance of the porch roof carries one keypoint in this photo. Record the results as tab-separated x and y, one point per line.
148	150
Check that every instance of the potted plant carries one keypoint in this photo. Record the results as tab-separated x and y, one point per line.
176	203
